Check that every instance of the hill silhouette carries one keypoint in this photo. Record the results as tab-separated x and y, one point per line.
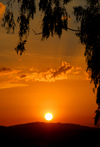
40	134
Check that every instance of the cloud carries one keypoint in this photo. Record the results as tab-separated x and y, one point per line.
48	75
11	85
2	9
88	75
8	75
23	76
32	69
4	69
8	71
78	68
76	72
64	69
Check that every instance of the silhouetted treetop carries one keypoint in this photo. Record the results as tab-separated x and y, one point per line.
26	13
89	35
8	21
55	17
92	2
43	4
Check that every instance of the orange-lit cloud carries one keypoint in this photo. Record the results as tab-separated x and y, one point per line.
23	76
4	69
64	69
49	75
8	71
9	78
2	9
88	75
11	85
32	69
76	72
8	75
78	68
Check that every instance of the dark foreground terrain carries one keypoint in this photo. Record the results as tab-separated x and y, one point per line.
42	134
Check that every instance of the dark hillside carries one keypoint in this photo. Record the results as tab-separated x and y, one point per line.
41	134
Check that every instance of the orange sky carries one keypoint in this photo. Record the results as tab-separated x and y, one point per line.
49	77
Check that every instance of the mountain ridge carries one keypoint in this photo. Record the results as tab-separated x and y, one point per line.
58	123
42	134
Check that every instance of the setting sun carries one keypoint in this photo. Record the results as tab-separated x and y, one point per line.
48	116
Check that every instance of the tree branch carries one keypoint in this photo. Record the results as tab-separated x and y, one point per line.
67	28
36	33
72	29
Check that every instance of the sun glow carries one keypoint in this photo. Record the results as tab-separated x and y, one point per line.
48	116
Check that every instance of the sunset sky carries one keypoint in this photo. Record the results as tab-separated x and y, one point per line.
50	76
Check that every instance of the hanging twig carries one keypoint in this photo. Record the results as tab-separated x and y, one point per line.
36	33
67	28
72	29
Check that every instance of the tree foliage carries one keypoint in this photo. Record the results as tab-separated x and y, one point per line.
55	17
26	14
54	20
89	35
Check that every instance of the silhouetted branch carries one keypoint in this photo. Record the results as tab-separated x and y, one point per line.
36	33
67	28
72	29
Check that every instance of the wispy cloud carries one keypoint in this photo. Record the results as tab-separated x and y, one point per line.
32	69
8	71
78	68
88	75
23	76
11	85
2	9
48	75
64	69
76	72
4	69
8	78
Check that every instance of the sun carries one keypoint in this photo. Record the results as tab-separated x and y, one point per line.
48	116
